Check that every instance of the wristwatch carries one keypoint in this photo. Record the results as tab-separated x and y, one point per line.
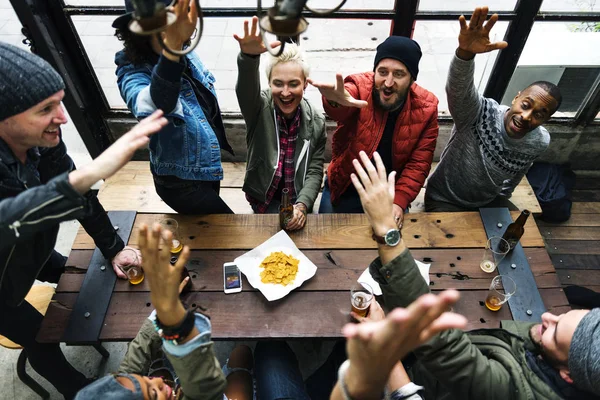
391	238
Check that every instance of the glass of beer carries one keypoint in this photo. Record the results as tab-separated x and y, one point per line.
169	224
361	296
501	289
130	265
495	250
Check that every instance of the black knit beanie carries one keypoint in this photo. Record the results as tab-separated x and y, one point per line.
403	49
25	80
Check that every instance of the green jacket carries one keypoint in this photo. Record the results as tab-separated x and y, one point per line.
263	141
199	372
481	364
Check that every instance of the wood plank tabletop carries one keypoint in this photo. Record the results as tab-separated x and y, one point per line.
324	231
341	247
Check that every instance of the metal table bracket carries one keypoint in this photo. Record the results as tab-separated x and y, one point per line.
87	317
526	304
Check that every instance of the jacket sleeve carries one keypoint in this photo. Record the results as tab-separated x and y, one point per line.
314	175
247	90
54	161
166	83
144	92
450	357
464	102
39	208
341	113
196	365
145	347
417	168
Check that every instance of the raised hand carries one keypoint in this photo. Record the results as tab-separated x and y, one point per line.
474	38
182	29
163	279
252	43
375	347
376	191
118	154
336	94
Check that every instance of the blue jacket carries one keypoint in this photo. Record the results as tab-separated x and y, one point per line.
188	147
34	198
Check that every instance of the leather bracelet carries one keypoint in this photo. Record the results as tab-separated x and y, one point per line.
174	334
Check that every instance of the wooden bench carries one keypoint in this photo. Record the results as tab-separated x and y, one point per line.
132	188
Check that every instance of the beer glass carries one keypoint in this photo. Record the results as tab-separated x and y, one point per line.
361	296
169	224
501	289
495	250
130	265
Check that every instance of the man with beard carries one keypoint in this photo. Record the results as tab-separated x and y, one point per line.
557	359
383	111
492	146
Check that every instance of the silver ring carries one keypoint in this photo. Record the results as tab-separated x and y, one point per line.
397	218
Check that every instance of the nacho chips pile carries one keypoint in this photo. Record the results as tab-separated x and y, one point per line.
279	268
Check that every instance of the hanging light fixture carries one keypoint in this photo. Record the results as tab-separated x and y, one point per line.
151	17
285	20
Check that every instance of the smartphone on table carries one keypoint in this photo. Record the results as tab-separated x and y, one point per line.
232	278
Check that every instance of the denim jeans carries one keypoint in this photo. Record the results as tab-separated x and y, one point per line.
278	376
349	201
21	325
191	197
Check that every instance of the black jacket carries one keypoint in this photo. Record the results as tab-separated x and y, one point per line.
34	198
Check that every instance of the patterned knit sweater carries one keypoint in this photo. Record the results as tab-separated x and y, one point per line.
480	161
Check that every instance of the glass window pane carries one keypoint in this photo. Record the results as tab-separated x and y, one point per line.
465	5
570	64
320	4
439	40
352	50
100	44
570	5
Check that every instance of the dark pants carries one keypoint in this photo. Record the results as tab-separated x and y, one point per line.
278	376
21	325
273	207
191	197
442	206
349	201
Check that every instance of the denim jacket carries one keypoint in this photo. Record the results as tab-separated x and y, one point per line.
34	198
187	147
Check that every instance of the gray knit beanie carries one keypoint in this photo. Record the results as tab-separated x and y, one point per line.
25	80
584	354
109	388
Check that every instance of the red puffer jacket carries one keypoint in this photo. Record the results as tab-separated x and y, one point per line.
361	129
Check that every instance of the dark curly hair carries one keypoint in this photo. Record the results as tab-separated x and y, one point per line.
137	48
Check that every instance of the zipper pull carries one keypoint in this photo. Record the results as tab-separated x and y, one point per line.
14	226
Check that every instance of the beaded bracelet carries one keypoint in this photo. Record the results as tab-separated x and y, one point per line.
174	334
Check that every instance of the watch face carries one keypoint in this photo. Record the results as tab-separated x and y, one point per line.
392	237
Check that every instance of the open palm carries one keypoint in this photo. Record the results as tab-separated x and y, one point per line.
252	42
475	36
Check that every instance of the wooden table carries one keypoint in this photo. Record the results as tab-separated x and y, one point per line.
341	247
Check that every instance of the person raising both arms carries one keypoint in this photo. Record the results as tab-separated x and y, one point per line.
492	146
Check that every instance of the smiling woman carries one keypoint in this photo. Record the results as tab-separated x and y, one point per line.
285	133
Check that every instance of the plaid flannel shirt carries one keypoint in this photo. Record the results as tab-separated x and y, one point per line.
285	166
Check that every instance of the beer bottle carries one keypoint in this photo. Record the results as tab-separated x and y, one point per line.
515	230
286	209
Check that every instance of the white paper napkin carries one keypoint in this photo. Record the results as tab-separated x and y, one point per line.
368	279
249	264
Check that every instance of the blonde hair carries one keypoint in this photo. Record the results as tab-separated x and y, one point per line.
291	53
